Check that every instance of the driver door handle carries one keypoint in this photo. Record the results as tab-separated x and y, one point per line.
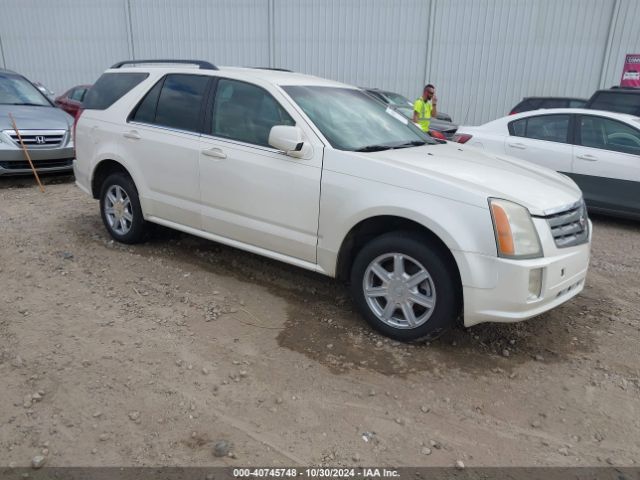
587	157
520	146
214	152
133	135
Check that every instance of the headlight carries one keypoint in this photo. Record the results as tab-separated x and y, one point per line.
516	236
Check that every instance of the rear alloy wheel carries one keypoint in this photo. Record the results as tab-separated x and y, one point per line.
404	287
120	209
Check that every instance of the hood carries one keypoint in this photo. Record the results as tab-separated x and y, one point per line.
539	189
34	118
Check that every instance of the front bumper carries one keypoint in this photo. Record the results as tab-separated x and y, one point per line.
506	297
14	162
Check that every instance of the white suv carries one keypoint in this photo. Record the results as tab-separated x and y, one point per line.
320	175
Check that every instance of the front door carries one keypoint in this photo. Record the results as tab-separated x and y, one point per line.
251	192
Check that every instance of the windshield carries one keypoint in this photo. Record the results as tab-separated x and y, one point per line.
16	90
397	98
352	120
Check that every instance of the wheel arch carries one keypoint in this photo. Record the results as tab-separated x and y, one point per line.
102	170
372	227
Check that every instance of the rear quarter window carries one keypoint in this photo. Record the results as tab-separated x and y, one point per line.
110	88
518	128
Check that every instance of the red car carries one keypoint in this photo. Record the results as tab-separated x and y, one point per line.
71	100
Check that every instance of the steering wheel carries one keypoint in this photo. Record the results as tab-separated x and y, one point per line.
624	136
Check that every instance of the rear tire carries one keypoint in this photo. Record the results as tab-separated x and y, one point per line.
120	209
405	287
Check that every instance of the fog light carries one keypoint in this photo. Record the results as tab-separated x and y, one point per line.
535	283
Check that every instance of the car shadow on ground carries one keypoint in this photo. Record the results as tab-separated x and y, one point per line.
322	322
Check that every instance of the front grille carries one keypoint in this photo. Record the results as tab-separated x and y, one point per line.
38	138
24	165
570	227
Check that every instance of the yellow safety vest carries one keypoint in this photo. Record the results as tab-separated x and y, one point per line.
424	113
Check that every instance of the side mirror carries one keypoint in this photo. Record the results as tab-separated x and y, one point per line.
287	138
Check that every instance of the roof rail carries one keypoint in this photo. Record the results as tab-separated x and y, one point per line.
274	69
201	64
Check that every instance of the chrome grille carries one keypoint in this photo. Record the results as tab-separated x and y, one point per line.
38	138
570	227
24	164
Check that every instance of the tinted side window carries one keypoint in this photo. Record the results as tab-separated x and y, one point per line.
616	102
145	112
180	101
577	103
552	128
607	134
77	94
110	88
523	106
246	113
518	128
553	103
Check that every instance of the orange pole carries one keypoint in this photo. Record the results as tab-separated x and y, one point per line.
26	152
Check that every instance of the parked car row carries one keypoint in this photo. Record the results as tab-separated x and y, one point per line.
615	99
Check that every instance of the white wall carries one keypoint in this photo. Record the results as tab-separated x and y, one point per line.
482	55
62	43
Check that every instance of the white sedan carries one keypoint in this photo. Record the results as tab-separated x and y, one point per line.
599	150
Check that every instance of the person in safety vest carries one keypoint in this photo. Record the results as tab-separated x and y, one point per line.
425	107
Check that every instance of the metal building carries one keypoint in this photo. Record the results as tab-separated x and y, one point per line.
482	55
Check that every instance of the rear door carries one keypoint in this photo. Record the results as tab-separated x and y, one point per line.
163	136
542	139
607	163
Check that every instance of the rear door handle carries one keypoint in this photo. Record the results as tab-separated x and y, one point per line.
587	157
520	146
133	135
214	152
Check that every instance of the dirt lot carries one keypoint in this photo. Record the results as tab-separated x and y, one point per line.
149	355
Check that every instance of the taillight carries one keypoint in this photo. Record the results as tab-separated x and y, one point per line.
437	134
462	137
512	112
75	123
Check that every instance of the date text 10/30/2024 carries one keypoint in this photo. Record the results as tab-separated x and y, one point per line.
315	472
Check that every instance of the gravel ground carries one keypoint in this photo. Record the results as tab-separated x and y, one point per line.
182	351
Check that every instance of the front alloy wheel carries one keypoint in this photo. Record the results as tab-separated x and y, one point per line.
406	285
399	290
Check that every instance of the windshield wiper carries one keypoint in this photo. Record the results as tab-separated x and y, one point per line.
413	143
374	148
27	104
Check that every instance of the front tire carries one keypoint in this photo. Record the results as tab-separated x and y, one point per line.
405	287
120	209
